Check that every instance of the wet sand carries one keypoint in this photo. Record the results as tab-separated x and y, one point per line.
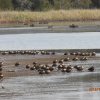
10	70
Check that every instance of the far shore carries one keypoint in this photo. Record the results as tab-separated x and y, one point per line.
54	21
43	28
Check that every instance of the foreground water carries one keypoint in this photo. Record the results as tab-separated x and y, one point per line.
57	87
84	40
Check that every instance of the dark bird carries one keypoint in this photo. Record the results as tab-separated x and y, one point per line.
91	69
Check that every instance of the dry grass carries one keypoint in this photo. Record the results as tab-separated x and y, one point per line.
48	16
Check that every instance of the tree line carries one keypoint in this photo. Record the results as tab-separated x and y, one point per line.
43	5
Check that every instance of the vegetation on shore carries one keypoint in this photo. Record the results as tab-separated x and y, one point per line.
28	12
44	5
28	17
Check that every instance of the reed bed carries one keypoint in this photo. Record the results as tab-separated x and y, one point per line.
49	16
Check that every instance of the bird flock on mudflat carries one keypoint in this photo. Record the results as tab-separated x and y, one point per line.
56	65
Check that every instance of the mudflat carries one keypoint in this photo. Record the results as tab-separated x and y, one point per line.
11	70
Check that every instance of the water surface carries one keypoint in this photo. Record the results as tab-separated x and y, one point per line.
57	87
73	86
84	40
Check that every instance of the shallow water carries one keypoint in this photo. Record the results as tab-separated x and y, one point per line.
57	87
84	40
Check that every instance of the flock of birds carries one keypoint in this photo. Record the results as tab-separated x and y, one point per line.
58	65
1	75
36	52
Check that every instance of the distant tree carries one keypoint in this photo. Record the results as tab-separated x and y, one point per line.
46	5
51	2
84	4
22	4
96	3
27	4
36	5
6	4
40	5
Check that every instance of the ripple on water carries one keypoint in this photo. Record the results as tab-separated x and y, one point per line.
59	87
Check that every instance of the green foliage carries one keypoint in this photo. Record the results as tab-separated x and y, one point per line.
96	3
5	4
85	4
63	4
42	5
22	4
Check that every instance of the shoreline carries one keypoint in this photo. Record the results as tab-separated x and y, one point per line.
45	29
55	50
50	27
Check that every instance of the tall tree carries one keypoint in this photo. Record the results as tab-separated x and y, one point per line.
22	4
51	2
36	4
5	4
96	3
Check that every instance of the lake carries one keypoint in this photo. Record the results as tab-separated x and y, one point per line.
85	40
59	86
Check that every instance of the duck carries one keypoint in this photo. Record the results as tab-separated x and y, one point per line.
2	87
1	75
47	72
66	53
32	68
0	68
61	61
73	26
34	63
64	70
79	68
75	59
93	54
91	69
1	64
51	68
69	69
60	67
17	64
55	61
53	53
27	66
67	59
41	72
